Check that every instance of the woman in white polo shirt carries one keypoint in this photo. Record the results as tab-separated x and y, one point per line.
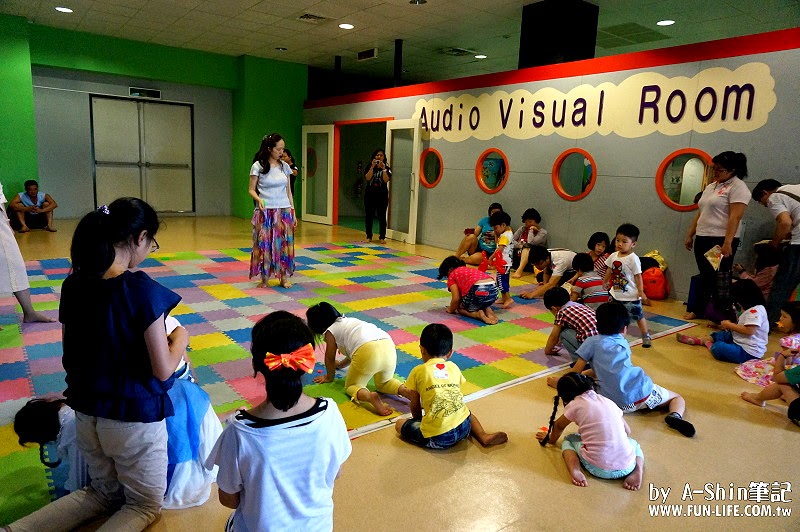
718	222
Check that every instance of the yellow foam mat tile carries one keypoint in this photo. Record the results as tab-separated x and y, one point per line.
181	309
412	348
386	301
358	416
204	341
521	343
9	443
469	387
338	282
517	366
224	291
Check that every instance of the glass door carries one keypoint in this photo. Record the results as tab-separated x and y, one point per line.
318	174
403	150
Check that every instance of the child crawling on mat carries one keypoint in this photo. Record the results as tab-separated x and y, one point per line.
436	388
472	291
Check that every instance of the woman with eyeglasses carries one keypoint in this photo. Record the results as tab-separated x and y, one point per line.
718	223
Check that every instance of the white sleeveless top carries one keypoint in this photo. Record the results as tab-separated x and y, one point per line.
352	333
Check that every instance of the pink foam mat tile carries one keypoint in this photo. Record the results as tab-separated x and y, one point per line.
222	314
34	337
15	389
56	271
399	336
252	390
549	361
234	369
12	354
484	353
531	323
45	366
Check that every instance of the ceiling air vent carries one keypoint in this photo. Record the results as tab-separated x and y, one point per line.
365	55
311	18
456	52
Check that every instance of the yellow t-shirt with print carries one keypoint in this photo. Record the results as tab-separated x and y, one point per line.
438	382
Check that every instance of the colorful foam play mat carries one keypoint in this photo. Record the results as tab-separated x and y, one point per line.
396	291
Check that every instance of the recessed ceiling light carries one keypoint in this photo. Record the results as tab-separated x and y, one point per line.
346	26
417	2
665	22
63	9
480	56
280	48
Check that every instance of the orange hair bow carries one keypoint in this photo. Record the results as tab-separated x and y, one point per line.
301	358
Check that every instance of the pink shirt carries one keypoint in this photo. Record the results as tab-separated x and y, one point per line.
599	420
465	277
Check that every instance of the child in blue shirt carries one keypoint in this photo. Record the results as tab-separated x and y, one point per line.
622	382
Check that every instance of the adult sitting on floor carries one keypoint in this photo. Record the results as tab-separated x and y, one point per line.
481	240
32	209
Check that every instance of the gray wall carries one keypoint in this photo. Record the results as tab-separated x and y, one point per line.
63	131
625	188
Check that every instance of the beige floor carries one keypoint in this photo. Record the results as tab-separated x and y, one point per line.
390	485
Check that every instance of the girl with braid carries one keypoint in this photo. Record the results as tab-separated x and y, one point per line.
602	445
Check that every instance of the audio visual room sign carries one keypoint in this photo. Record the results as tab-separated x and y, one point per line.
715	99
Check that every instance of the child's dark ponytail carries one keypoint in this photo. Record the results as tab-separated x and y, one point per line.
38	422
92	251
546	438
280	333
569	386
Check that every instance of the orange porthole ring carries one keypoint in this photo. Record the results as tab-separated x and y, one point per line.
662	168
479	173
557	182
422	178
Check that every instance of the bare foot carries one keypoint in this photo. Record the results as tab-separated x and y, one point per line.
487	318
24	230
493	438
516	275
37	316
688	340
381	408
285	283
578	478
690	316
634	479
507	303
526	295
262	284
50	229
753	398
382	241
552	381
368	240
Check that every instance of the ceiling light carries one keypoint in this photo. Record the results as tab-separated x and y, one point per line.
417	2
480	56
346	26
280	48
63	9
666	22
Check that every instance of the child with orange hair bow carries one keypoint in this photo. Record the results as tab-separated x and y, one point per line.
278	460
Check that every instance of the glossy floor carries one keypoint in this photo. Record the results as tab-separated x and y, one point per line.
389	485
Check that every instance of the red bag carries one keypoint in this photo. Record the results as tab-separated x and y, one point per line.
655	283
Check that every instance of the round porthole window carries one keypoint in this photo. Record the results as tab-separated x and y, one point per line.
681	177
574	174
492	171
431	167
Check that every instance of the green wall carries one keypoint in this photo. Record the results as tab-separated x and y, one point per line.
18	160
268	95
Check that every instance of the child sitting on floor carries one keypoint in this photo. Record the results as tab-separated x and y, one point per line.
278	460
767	259
368	350
588	287
501	257
599	249
785	382
574	322
529	234
436	385
472	291
622	382
742	341
601	444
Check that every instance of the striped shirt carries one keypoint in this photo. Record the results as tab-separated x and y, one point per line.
578	317
590	290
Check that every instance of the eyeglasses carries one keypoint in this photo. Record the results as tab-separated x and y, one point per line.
719	170
154	246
